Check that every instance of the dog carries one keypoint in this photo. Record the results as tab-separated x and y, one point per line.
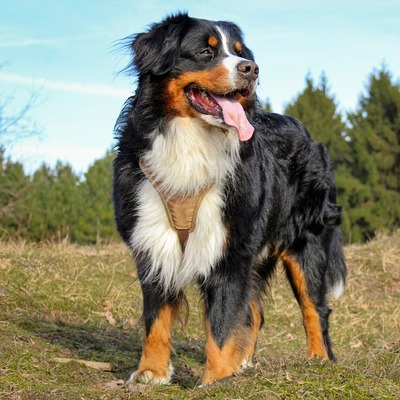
210	189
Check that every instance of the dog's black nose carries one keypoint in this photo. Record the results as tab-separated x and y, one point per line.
248	69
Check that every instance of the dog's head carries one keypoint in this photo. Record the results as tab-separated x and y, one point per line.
204	69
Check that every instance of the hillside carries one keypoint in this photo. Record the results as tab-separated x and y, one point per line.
84	303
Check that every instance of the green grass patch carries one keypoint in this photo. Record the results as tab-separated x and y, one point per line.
84	303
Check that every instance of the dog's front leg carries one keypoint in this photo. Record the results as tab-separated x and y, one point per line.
233	319
159	313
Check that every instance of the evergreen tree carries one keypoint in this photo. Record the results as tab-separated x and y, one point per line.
67	199
375	141
317	110
375	132
56	203
267	106
40	211
96	221
14	195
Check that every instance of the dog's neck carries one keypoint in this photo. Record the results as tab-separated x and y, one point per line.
190	156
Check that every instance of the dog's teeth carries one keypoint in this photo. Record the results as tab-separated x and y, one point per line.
206	99
204	96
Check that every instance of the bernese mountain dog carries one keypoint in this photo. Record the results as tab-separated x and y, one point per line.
210	189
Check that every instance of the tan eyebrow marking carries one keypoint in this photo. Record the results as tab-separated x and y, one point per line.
238	47
212	41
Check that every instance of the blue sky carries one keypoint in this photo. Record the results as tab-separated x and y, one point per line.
65	52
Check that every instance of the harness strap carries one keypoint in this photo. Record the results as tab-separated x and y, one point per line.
181	211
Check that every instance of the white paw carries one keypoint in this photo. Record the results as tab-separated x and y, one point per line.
150	377
246	363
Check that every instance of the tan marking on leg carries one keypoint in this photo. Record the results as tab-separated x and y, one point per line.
237	351
221	362
247	361
154	366
311	320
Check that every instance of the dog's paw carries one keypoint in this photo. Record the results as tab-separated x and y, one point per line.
246	363
151	377
316	352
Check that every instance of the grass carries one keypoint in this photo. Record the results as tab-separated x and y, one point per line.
63	300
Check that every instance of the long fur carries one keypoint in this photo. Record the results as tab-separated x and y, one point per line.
271	197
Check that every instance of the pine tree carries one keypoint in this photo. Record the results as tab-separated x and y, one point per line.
66	200
375	141
96	221
375	132
267	106
56	204
40	209
14	195
317	110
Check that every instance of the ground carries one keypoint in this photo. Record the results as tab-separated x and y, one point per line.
84	303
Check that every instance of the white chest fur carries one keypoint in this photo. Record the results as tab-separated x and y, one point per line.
154	236
188	157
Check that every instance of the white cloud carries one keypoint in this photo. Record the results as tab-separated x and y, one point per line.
26	42
10	40
100	90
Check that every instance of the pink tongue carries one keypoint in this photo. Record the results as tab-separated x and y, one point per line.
234	116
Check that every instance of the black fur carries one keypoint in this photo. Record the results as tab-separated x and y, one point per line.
282	194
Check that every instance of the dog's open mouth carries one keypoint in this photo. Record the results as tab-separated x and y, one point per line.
225	108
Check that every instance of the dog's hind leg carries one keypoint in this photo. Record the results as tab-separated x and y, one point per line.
255	321
305	271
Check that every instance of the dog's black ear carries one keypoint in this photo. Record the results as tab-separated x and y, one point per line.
156	51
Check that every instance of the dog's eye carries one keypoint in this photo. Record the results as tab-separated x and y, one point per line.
208	52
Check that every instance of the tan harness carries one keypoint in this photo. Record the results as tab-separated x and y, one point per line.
181	211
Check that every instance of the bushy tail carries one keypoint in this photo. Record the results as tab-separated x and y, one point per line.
336	272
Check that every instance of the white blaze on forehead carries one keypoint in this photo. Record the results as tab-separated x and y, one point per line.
224	41
231	61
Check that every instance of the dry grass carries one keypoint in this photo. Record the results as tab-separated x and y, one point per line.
84	303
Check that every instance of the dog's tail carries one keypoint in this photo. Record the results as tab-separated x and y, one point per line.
336	271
